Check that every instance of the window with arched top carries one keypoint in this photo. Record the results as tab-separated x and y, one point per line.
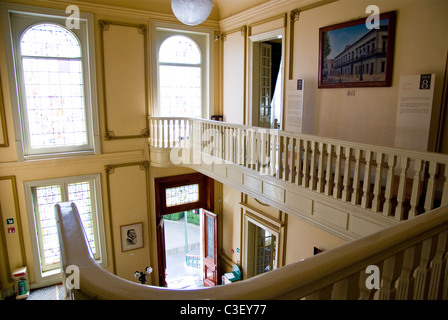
180	78
53	87
183	80
55	112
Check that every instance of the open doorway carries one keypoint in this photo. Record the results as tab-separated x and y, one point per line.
186	231
182	231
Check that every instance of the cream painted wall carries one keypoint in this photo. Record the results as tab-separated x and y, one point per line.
231	223
421	45
303	237
299	237
368	116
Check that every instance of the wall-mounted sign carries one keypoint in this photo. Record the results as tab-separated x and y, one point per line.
414	111
294	105
10	221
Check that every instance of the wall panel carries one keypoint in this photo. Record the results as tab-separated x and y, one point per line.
128	199
125	83
234	77
11	240
3	133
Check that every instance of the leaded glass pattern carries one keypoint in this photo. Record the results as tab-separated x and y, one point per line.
46	198
179	49
50	40
180	91
81	195
54	88
181	195
180	87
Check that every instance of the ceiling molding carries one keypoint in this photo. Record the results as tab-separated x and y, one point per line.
268	9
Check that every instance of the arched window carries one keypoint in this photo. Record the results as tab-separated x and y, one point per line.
52	73
180	73
55	113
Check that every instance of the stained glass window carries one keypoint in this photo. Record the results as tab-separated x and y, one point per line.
181	195
49	241
180	86
53	87
180	49
45	197
81	195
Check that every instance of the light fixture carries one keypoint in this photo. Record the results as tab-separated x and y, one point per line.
191	12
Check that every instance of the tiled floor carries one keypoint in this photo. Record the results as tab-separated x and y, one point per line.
47	293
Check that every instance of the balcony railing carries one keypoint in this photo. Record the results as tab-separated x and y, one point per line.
386	181
405	261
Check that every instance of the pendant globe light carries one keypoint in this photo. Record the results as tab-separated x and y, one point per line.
191	12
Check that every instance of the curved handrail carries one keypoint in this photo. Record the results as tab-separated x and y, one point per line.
294	281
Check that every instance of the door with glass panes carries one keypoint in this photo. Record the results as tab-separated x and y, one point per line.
182	193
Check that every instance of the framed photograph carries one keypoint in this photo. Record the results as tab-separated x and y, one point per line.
131	236
357	53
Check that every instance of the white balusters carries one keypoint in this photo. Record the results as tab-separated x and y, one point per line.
321	168
386	181
356	177
337	173
329	174
390	180
401	195
416	188
430	189
365	202
437	266
347	175
378	182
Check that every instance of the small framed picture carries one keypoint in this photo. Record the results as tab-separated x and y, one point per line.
131	236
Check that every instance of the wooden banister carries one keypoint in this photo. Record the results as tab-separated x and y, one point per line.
411	259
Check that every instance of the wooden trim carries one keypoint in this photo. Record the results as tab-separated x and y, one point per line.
3	118
442	125
264	21
206	201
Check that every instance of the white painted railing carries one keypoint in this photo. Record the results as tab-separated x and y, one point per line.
387	181
405	261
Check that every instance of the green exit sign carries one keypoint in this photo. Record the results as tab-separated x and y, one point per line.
10	221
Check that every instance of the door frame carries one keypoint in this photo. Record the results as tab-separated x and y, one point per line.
210	263
206	201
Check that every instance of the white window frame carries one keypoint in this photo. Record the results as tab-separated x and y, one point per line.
204	38
54	276
11	35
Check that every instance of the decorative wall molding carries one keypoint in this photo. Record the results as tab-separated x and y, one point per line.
105	26
17	225
4	142
110	170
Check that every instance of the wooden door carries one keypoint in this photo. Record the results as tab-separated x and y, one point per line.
210	248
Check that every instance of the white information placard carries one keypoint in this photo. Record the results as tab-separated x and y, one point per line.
294	105
414	111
